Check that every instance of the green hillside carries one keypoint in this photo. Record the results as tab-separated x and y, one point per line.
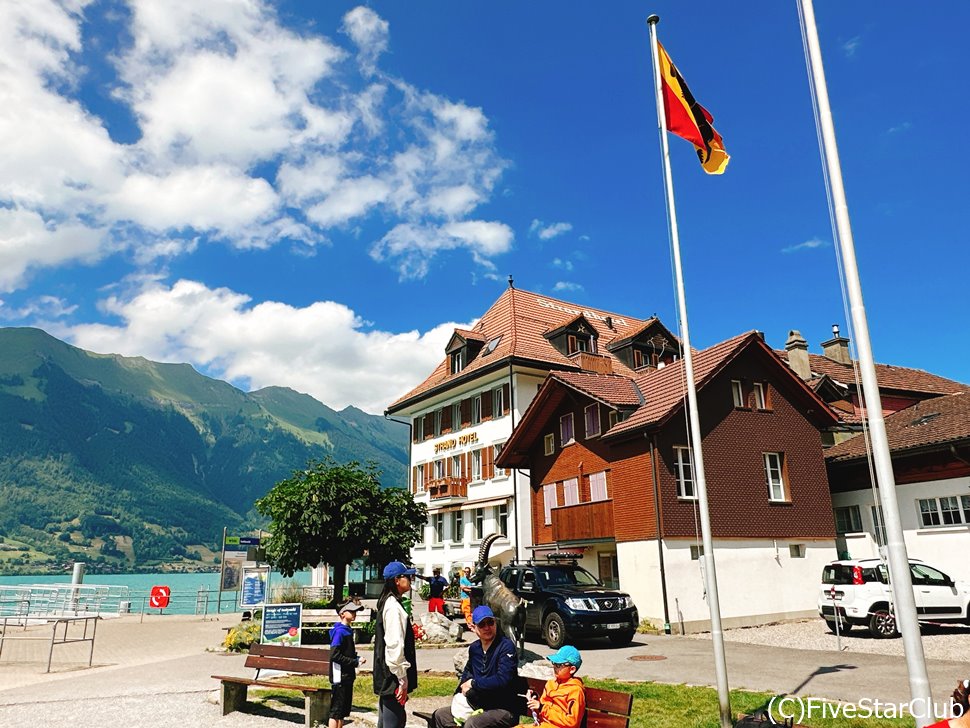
134	463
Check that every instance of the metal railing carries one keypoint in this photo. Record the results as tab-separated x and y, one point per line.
61	600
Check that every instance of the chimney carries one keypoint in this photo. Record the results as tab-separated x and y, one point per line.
837	348
797	349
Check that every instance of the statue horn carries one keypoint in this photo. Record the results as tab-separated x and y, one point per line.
486	546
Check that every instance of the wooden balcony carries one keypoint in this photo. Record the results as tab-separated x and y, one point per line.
590	362
450	487
583	522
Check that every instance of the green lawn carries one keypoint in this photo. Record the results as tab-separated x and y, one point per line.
655	705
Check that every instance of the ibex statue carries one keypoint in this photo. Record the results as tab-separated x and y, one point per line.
508	608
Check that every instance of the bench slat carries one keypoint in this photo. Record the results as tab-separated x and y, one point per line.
603	701
595	719
282	663
304	653
268	684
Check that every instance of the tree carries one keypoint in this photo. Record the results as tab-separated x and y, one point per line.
335	513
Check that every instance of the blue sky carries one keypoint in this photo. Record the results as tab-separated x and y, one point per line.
314	194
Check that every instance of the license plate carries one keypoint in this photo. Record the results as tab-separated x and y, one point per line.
616	625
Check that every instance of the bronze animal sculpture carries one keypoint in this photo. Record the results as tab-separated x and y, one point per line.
508	608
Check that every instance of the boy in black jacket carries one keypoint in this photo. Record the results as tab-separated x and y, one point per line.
343	664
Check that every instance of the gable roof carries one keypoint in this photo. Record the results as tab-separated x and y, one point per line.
932	422
521	318
897	379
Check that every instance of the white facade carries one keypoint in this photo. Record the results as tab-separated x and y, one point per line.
758	580
944	546
489	506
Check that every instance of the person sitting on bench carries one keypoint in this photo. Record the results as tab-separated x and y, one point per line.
488	681
563	701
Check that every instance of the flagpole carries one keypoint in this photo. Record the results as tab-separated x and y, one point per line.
697	456
901	580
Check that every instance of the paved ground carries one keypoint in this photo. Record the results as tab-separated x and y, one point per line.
162	667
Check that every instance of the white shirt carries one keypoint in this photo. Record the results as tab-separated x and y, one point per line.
395	623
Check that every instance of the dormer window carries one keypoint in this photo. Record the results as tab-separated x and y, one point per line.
462	348
573	337
457	361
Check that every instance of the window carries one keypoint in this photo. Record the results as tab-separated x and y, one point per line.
638	359
498	402
421	535
592	417
953	510
419	479
439	469
457	527
476	409
476	465
456	465
597	486
479	524
549	501
438	526
418	428
774	475
457	361
760	392
571	491
614	418
566	432
437	422
503	519
549	444
737	393
456	417
696	552
848	520
685	473
496	451
571	347
796	550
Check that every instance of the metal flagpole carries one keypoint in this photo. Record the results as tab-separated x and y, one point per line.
901	580
697	456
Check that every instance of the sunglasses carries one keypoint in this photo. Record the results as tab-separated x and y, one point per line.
486	623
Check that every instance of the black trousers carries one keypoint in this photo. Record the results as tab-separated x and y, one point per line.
497	718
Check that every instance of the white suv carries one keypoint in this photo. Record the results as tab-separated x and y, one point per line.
856	591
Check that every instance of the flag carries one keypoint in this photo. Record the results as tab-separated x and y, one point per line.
688	119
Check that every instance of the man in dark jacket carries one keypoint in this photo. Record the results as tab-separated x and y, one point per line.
436	589
490	681
343	664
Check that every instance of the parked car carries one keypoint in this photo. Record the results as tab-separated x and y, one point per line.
856	592
567	602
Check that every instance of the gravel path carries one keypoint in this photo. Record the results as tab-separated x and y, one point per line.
940	642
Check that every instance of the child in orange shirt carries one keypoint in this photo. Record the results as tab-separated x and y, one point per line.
563	700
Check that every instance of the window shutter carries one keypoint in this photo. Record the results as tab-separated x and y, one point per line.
414	479
428	472
446	418
488	464
506	398
468	463
487	405
448	467
466	412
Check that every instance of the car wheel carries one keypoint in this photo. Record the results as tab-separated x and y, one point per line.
882	623
622	638
554	631
844	626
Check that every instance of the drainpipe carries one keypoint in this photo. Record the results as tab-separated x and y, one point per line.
654	476
515	472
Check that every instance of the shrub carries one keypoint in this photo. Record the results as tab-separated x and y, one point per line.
289	592
425	590
241	636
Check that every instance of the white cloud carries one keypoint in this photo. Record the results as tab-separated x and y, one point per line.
324	349
218	90
905	126
413	246
563	264
41	307
548	232
567	286
807	245
370	34
851	46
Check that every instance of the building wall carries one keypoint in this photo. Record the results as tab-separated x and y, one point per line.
734	443
759	581
945	547
483	493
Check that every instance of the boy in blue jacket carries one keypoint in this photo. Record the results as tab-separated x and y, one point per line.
343	664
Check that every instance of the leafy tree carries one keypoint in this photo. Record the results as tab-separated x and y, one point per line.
335	513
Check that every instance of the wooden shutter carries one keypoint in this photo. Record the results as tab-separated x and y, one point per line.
414	479
446	418
487	404
506	398
489	458
466	412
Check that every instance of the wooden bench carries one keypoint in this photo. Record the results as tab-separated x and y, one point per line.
604	708
294	660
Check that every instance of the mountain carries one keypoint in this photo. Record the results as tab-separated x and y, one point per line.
137	462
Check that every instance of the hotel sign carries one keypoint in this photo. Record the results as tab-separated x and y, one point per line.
469	438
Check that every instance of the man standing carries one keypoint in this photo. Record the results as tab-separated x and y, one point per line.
465	586
436	586
490	679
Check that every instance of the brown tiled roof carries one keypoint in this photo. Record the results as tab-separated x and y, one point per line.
665	389
467	335
930	422
610	389
520	318
900	379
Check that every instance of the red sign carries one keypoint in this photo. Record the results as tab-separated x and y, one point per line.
158	599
